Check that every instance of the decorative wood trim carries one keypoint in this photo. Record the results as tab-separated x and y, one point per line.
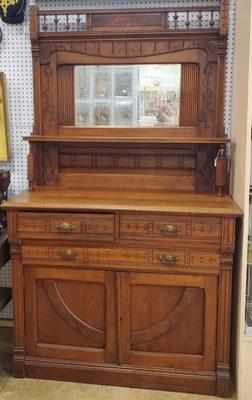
227	260
111	336
205	182
228	235
37	96
189	94
51	164
34	166
186	300
224	17
73	158
66	104
49	98
69	317
223	339
170	19
220	128
30	167
34	23
12	227
170	379
207	98
18	310
123	255
124	317
128	136
18	367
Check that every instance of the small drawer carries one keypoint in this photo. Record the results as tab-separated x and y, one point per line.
70	226
158	227
123	256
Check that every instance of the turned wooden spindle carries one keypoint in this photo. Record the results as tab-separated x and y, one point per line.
221	170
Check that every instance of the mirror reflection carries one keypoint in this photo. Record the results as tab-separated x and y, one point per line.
132	95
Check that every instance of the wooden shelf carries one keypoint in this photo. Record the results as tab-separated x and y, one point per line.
129	139
56	199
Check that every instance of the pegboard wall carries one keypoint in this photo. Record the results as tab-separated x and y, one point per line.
16	62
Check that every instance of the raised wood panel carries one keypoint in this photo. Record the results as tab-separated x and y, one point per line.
166	327
50	170
70	318
189	94
136	21
65	76
183	182
205	171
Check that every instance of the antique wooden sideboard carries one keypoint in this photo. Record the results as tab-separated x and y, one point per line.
122	248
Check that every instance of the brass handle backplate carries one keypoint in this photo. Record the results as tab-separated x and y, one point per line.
68	254
168	259
65	227
165	228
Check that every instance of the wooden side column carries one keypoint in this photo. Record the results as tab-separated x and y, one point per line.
223	386
18	297
34	30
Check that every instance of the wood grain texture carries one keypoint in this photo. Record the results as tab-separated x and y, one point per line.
147	200
223	340
127	135
18	311
66	226
90	256
63	310
64	327
189	95
65	76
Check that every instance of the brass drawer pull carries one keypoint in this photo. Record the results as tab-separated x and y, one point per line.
165	228
68	254
168	259
65	227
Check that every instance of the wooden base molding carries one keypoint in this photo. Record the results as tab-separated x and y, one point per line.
202	383
224	387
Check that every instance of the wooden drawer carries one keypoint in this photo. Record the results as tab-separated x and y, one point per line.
62	226
122	256
166	227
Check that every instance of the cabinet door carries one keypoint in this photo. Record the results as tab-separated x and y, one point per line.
70	314
168	320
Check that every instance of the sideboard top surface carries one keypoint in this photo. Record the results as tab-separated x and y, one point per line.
114	200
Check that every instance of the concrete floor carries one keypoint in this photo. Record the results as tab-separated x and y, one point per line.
34	389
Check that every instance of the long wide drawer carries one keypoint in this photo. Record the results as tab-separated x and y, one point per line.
117	256
144	227
66	226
